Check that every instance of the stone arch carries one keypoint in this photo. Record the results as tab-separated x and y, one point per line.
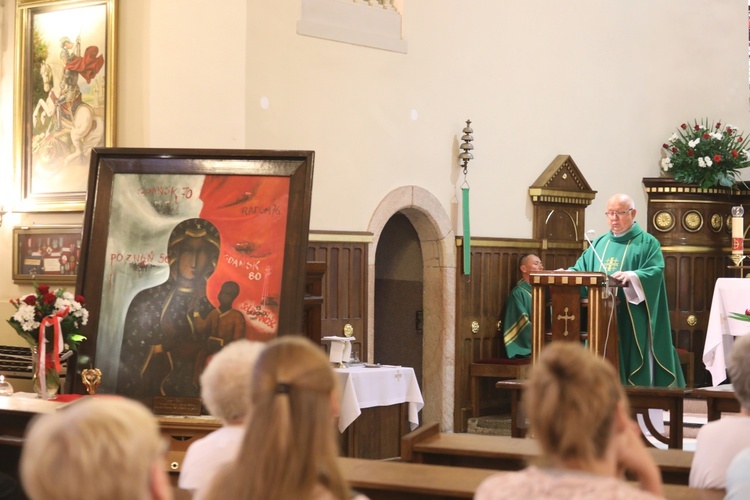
437	240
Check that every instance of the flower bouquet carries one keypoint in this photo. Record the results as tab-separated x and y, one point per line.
706	153
49	322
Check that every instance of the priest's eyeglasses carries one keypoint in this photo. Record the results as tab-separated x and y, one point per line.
614	215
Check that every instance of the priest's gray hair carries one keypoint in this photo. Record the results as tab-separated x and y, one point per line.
225	383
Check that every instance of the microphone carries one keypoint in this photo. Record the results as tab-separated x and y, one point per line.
589	234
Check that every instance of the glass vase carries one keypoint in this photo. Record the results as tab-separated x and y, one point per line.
52	376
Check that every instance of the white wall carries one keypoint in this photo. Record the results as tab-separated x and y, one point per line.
603	81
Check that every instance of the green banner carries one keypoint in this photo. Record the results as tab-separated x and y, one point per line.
467	231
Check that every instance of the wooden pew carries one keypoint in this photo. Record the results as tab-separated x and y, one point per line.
641	400
428	445
400	481
718	399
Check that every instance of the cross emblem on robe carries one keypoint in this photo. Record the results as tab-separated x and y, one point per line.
611	264
566	318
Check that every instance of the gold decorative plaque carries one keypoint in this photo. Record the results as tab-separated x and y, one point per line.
348	330
692	320
692	221
475	327
664	221
717	222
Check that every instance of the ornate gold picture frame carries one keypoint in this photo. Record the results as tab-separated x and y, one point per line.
64	99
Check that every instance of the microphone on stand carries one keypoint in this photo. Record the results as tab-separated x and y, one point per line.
590	234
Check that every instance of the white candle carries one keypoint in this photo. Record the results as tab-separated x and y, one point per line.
738	227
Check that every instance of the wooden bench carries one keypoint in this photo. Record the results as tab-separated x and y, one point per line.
641	400
428	445
496	368
400	481
718	399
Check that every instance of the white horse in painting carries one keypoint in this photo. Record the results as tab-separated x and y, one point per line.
86	129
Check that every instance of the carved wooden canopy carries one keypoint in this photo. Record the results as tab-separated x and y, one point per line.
560	197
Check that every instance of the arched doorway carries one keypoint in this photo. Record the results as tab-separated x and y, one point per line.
437	245
399	317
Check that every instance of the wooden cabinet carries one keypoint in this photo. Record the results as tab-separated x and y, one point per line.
693	226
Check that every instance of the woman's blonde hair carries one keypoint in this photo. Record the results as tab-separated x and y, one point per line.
291	443
101	447
571	399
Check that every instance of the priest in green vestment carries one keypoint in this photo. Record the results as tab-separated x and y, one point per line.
517	318
633	256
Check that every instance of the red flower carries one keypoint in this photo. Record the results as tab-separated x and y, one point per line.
739	139
735	154
697	127
718	125
43	289
690	153
717	158
683	126
80	299
674	149
706	136
50	298
30	300
729	130
665	146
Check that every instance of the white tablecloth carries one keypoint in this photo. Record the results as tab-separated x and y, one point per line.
369	387
731	295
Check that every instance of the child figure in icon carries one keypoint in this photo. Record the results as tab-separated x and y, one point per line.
224	324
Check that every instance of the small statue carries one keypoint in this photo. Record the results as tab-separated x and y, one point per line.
91	377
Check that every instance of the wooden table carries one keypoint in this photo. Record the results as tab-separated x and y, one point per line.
378	406
718	399
641	400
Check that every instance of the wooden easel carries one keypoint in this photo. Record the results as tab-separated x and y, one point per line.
565	311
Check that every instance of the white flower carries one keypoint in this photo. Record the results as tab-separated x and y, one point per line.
708	161
25	317
701	163
672	138
694	142
666	164
717	136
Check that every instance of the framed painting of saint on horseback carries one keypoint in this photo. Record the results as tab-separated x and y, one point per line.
65	105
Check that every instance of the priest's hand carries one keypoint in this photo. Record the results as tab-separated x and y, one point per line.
621	277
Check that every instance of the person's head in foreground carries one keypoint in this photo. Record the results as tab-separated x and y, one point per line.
103	447
579	414
225	383
291	445
738	367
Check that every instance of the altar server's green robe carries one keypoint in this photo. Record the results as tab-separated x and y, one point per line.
517	321
645	326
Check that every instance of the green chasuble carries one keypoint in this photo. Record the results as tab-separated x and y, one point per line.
645	332
517	321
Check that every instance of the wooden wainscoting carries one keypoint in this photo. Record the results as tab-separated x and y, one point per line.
344	283
480	298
